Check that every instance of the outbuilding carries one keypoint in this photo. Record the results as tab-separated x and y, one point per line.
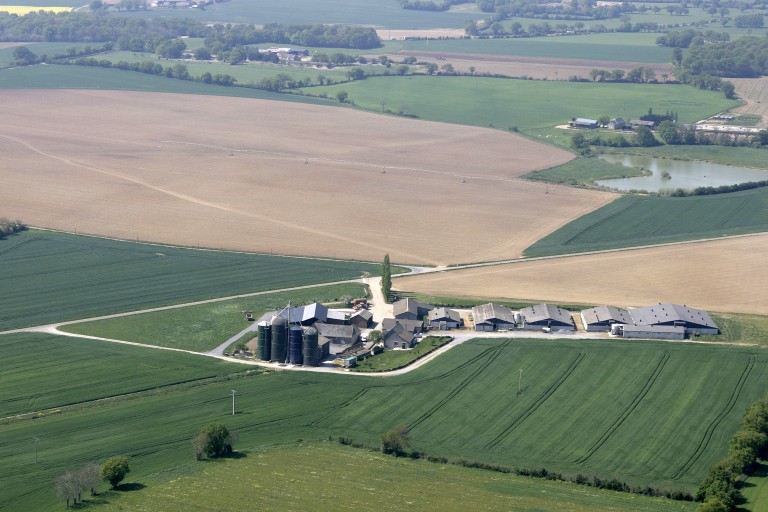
601	318
549	316
654	332
361	319
444	319
410	309
340	337
493	317
580	122
398	337
694	321
412	326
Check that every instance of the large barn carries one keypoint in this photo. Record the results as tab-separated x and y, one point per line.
491	317
410	309
601	318
444	319
547	315
695	321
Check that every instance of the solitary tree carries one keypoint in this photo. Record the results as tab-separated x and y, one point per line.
23	56
395	441
386	278
215	440
114	470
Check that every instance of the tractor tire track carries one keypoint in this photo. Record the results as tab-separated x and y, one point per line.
627	410
539	401
707	437
338	407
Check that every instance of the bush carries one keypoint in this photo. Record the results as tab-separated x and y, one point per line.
215	440
395	441
114	470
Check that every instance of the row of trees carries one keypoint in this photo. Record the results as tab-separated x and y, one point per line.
686	38
9	227
720	490
640	74
330	36
71	485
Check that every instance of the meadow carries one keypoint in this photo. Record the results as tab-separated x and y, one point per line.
657	420
6	54
582	172
631	221
379	482
204	327
51	277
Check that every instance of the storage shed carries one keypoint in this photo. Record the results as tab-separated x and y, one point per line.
580	122
491	317
444	319
398	337
361	319
695	321
546	315
661	332
601	318
340	337
410	309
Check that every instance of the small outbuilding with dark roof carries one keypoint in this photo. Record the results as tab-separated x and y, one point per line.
413	326
361	319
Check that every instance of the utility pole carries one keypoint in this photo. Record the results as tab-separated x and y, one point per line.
233	402
36	439
519	382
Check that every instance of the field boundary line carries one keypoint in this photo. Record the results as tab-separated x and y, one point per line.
707	437
628	410
539	401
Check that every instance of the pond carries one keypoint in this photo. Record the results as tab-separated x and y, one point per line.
674	174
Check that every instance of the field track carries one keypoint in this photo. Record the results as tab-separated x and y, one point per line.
275	177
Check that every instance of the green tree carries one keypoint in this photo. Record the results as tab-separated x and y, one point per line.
644	137
756	417
342	96
215	440
729	90
668	132
375	337
356	74
202	53
431	68
580	144
23	56
114	470
395	441
95	5
386	278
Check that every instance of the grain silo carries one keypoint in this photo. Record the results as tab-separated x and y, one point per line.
311	351
265	341
279	334
294	345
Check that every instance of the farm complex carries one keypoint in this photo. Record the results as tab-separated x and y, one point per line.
364	255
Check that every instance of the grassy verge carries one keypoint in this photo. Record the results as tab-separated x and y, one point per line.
582	172
755	490
394	359
206	326
738	328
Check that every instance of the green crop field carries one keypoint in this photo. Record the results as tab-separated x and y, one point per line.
631	221
206	326
533	106
311	472
50	277
646	413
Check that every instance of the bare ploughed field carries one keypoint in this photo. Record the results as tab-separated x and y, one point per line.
275	177
534	67
754	91
729	275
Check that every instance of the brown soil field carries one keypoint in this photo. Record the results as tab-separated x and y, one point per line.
729	275
10	45
277	177
754	91
534	67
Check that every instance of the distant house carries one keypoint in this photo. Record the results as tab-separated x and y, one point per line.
444	319
413	326
398	337
340	337
547	315
634	123
601	318
361	319
410	309
616	123
490	317
580	122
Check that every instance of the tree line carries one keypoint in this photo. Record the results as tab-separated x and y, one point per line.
9	227
746	57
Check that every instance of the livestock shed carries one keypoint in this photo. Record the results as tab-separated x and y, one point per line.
547	315
580	122
654	332
634	123
490	317
398	337
413	326
444	319
340	337
361	319
410	309
601	318
695	321
616	123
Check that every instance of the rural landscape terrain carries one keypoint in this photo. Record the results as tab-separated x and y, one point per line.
174	172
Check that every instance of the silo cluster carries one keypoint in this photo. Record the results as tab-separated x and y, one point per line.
281	343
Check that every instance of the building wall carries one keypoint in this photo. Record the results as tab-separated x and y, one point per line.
443	324
655	335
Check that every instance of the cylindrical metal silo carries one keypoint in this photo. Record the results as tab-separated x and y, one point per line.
294	345
311	356
279	334
265	341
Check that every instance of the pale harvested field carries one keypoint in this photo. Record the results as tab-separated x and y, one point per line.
729	275
534	67
275	177
432	33
10	45
754	91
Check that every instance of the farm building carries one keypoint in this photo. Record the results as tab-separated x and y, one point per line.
616	123
602	317
413	326
634	123
361	319
340	337
490	317
655	332
580	122
547	315
398	337
308	315
695	321
444	319
410	309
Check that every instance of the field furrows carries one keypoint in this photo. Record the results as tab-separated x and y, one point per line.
627	410
494	353
539	401
707	437
337	408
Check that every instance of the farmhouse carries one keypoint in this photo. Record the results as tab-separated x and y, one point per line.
398	337
489	317
547	315
412	326
340	337
580	122
694	321
444	319
410	309
601	318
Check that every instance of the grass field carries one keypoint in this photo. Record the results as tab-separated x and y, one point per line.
53	277
393	359
738	328
533	106
755	490
640	220
582	172
378	482
204	327
658	421
6	54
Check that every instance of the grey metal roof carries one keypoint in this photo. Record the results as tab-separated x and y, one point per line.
398	334
583	120
492	313
444	314
604	314
545	313
363	313
337	331
674	329
407	305
409	325
670	313
334	314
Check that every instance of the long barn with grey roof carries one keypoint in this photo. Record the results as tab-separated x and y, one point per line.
490	317
695	321
601	318
547	315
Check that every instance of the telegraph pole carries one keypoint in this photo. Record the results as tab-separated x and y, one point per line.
37	440
519	382
233	402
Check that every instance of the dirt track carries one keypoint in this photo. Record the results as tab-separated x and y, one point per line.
729	275
275	177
